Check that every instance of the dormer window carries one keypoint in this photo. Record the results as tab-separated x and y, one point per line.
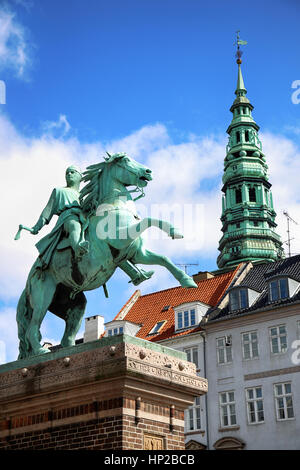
189	315
238	299
279	289
242	297
120	327
186	318
115	331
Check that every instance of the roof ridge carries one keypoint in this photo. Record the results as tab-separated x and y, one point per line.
180	287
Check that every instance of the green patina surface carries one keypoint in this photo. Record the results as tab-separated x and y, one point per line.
98	344
248	216
98	230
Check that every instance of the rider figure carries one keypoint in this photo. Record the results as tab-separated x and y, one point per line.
64	202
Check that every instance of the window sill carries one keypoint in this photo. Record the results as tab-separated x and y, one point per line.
190	433
250	359
285	419
281	353
229	428
255	424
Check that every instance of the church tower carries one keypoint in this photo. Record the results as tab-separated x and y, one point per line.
248	216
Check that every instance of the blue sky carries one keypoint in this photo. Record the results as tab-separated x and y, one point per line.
155	78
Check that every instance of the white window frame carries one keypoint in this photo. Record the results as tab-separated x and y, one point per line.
227	405
254	401
193	418
277	281
193	355
153	332
298	329
186	314
250	342
284	397
115	331
237	292
278	336
227	350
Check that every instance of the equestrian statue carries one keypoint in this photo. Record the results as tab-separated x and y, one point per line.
97	230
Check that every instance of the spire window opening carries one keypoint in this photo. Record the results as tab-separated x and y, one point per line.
238	196
247	136
252	195
238	137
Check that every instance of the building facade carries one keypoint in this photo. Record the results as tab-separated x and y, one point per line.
248	347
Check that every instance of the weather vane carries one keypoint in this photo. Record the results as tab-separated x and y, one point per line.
239	43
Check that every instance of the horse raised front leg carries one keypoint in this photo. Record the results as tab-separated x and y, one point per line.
149	257
42	292
135	230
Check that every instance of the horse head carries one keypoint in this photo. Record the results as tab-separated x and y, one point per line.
117	171
129	172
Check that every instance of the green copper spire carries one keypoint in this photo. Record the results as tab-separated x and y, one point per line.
248	216
240	88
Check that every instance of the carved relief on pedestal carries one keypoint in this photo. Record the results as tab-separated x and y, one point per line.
153	442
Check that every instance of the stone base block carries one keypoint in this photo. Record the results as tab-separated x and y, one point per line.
116	393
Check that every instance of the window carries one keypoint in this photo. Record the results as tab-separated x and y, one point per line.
165	308
227	409
186	318
238	137
250	345
238	299
157	327
283	401
278	339
252	195
247	136
255	405
279	289
193	416
192	356
238	196
115	331
224	350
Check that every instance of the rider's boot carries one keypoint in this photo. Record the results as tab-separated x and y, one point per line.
136	275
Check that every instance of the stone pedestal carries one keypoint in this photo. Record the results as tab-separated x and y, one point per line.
117	393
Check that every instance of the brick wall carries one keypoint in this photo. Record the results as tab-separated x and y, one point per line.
86	427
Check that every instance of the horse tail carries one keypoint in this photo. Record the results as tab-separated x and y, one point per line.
24	314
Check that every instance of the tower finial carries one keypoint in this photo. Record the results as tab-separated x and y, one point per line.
239	43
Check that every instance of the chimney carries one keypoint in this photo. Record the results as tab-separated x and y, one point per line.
202	275
94	328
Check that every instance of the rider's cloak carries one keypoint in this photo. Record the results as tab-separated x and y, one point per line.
63	202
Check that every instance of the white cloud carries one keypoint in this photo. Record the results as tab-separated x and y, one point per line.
283	158
15	50
188	173
8	335
62	126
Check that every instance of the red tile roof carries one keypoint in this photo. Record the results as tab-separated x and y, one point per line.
147	309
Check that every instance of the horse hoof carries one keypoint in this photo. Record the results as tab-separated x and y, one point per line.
143	277
175	234
40	350
187	282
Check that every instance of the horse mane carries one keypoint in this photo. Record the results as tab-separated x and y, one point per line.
89	195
